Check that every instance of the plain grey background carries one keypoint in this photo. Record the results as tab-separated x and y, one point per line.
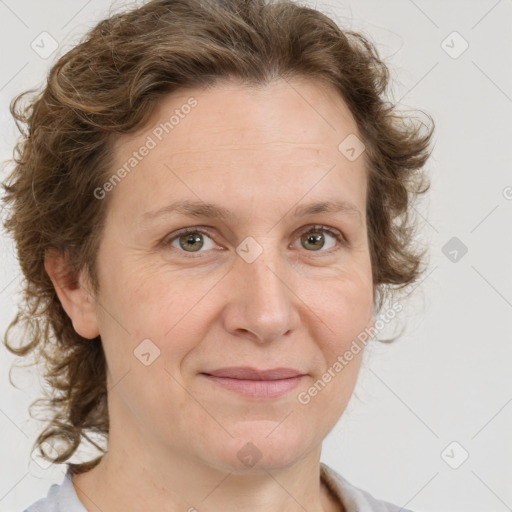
429	425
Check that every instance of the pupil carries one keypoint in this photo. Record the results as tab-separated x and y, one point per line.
191	239
311	239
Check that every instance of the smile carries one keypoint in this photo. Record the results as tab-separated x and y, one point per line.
256	388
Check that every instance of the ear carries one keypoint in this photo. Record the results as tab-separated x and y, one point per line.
74	293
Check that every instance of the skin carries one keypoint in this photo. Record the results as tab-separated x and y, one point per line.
174	436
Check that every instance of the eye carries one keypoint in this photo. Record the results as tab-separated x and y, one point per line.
192	240
315	240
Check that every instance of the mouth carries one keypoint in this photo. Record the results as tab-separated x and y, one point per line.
256	383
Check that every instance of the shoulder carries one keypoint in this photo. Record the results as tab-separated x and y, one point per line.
353	498
60	498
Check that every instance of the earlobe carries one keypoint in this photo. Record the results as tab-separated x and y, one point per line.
73	292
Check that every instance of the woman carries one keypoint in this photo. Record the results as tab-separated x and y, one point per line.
206	208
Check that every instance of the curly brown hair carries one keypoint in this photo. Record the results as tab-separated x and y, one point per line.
109	84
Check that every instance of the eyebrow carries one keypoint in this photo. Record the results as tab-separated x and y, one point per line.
214	211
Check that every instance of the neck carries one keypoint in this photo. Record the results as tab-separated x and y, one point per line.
141	479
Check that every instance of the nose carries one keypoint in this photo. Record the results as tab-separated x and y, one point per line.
262	304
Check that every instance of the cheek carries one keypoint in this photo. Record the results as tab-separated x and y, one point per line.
164	308
343	309
341	316
149	299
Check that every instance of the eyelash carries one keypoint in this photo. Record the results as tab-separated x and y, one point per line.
204	231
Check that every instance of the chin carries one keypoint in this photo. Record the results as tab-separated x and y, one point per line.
261	446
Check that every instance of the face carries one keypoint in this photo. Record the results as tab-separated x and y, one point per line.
266	285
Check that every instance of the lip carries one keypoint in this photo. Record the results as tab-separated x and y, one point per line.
256	383
250	373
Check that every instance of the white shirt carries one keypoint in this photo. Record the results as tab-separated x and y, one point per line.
63	498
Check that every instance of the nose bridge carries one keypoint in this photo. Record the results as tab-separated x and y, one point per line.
266	267
268	306
265	274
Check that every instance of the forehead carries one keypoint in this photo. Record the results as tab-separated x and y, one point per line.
286	134
310	115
